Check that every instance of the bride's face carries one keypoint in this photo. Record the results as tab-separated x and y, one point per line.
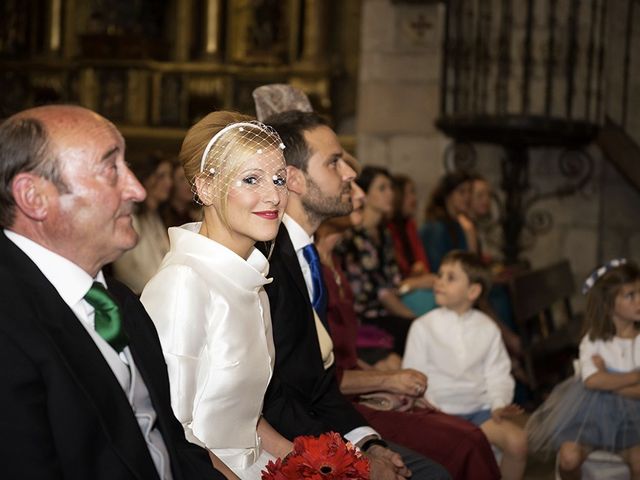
257	197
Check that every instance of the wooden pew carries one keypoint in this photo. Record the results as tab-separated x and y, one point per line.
549	330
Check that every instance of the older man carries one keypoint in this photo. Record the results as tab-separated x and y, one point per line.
303	397
83	386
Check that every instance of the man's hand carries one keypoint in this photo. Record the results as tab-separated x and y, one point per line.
386	464
406	382
500	414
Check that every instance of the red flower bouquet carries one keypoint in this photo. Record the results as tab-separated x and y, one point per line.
326	457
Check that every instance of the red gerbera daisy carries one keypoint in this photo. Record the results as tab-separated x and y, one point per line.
324	458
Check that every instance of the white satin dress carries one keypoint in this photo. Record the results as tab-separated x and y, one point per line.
212	315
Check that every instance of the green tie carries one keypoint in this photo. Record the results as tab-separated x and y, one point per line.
108	322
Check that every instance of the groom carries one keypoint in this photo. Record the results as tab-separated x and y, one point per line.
303	397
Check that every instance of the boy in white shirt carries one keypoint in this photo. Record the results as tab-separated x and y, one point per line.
460	349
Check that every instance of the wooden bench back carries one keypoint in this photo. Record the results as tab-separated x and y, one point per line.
548	329
538	290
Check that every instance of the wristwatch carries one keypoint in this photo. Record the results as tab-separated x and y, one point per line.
374	441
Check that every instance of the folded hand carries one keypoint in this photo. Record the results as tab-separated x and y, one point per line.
500	414
407	382
386	464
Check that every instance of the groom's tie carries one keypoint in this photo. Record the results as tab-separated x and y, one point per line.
319	295
108	322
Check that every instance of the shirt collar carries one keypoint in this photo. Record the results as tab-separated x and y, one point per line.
71	281
299	238
466	315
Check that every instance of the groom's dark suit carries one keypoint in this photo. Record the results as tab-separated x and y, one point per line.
303	398
63	413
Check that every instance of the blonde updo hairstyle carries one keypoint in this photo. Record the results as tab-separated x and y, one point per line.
211	180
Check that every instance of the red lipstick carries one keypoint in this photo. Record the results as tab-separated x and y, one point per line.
268	214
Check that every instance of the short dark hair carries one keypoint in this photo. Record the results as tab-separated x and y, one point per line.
472	266
291	126
368	174
24	147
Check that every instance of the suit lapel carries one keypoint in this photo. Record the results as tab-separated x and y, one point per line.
292	264
85	363
141	350
287	255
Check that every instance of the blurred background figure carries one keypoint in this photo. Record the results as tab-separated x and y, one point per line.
481	191
138	265
369	262
180	207
410	255
479	211
417	279
442	231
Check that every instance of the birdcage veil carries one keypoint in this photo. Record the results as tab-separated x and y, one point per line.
242	156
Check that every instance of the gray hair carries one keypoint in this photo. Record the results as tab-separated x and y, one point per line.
24	147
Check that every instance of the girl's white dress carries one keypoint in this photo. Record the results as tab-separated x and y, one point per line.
600	419
212	315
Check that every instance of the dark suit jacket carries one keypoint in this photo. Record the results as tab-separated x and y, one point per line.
303	398
63	413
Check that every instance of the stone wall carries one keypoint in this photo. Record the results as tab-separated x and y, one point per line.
398	104
398	90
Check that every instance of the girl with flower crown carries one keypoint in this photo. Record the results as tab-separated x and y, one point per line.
599	409
207	300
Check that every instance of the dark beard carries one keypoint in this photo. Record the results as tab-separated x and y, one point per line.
319	207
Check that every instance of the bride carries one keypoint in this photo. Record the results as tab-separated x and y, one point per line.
207	300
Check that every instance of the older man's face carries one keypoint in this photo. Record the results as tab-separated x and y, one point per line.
328	176
94	215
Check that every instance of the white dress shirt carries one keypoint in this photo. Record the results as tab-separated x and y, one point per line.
464	358
213	318
300	239
71	282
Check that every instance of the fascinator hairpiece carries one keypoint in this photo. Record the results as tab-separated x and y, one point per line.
279	97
